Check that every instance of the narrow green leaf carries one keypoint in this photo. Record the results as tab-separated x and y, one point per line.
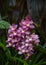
7	63
40	62
43	62
41	49
2	45
21	60
37	58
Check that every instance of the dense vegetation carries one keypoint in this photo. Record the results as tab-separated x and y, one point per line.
12	12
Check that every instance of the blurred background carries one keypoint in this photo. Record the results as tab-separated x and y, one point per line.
15	10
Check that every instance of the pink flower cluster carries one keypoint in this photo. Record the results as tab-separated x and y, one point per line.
22	37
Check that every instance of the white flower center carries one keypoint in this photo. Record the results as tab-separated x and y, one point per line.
27	24
23	31
14	33
26	44
30	39
13	29
23	50
10	44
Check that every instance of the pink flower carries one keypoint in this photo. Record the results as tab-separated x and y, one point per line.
22	37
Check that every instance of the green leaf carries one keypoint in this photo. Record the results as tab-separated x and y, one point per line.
19	59
3	46
7	63
4	24
44	46
7	52
41	49
43	62
32	59
40	62
37	58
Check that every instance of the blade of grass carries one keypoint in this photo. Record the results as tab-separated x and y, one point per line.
40	62
22	61
37	58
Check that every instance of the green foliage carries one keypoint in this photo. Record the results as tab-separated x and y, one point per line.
36	59
9	56
4	24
